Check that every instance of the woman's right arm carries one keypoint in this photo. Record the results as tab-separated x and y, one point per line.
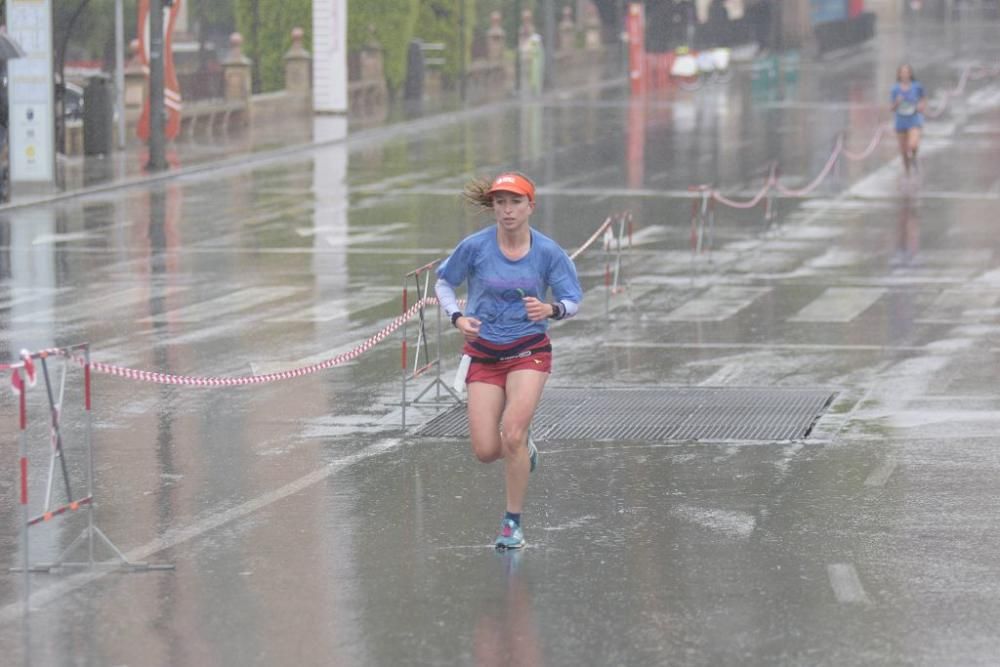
446	296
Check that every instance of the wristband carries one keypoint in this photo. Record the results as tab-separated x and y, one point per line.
558	310
454	317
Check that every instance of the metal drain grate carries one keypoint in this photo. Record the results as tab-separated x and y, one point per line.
662	413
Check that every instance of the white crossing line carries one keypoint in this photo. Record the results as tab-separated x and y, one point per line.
23	295
733	524
326	311
64	237
839	304
846	584
809	347
952	306
97	305
880	475
717	304
213	309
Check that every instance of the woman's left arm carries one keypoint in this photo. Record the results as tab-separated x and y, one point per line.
565	287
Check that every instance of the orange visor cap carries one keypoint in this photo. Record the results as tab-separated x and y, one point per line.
513	183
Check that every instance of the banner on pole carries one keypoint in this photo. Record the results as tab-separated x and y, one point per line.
635	27
171	87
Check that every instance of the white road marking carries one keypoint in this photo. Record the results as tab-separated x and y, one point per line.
717	304
811	347
97	305
733	524
570	525
48	239
880	475
846	584
214	309
839	304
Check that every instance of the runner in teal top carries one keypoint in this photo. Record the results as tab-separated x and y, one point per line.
908	102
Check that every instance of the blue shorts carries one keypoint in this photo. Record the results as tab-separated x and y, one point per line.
907	123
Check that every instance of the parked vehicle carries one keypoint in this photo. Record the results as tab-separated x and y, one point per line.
693	69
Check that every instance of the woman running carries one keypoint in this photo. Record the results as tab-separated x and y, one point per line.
908	101
510	268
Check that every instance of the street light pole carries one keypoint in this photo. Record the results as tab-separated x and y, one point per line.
120	70
777	28
517	46
157	109
549	41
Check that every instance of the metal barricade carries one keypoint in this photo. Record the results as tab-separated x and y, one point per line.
59	362
420	282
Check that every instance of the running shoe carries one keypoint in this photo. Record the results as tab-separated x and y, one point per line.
532	454
511	536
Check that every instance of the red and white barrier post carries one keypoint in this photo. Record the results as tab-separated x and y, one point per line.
69	356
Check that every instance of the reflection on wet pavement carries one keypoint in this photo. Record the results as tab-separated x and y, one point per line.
306	529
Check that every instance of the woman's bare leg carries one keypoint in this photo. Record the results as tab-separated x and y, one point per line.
913	143
904	149
486	403
524	390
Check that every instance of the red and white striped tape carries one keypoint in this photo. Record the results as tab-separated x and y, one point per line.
244	380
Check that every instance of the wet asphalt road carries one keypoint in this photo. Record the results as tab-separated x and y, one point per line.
305	528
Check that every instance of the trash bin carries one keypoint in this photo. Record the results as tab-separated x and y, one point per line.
98	115
413	86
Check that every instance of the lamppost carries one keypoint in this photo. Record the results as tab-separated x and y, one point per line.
157	110
517	46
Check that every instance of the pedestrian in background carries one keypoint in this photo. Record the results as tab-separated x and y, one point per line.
908	103
510	268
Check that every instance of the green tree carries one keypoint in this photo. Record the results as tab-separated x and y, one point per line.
443	21
212	16
85	29
266	26
393	22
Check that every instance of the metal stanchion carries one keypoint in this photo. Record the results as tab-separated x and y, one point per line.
23	468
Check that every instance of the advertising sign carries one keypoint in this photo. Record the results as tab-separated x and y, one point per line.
823	11
31	93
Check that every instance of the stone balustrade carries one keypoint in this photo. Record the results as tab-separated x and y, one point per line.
576	59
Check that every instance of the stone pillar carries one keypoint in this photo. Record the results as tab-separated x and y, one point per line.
567	30
371	58
297	64
496	38
527	30
236	71
136	81
592	29
532	56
